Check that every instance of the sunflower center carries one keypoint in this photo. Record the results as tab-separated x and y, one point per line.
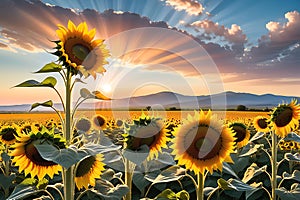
35	157
240	133
9	134
26	129
83	125
203	142
262	123
84	166
284	117
99	121
146	135
77	50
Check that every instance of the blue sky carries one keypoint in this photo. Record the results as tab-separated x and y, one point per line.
242	45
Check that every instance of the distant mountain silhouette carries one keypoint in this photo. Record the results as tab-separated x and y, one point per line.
167	100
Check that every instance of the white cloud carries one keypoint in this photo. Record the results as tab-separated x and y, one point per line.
189	6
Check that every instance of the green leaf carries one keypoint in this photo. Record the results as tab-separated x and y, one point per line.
257	191
107	190
183	195
6	181
45	104
166	194
139	181
42	184
293	194
292	137
24	189
257	136
234	184
47	82
292	157
227	169
72	155
252	150
85	93
137	156
50	67
253	171
170	174
294	176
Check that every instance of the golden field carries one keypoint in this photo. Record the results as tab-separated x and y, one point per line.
244	116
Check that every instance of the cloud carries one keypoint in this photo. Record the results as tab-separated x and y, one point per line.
280	44
209	30
3	46
189	6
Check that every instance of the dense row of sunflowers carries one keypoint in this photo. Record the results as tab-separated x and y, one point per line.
96	159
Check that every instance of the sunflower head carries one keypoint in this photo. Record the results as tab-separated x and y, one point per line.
87	170
285	118
261	124
83	124
28	127
148	131
99	122
9	133
28	159
202	143
241	133
78	50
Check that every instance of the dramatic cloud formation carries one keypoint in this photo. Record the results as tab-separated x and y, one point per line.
3	46
189	6
280	45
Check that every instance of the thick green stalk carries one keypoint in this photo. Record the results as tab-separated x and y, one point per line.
68	174
274	164
200	186
128	177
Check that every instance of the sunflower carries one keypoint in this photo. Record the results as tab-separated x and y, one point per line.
8	134
83	124
27	158
78	51
88	170
28	127
285	118
148	131
241	133
260	123
202	143
99	122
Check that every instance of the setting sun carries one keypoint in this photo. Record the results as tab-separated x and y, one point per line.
106	88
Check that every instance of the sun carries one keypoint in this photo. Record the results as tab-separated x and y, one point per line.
106	88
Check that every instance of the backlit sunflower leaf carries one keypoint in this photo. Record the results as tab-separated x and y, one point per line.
50	67
294	176
99	95
257	136
292	137
137	156
167	194
293	194
170	174
234	184
71	155
85	93
292	157
107	190
256	192
78	80
24	189
183	195
253	171
252	150
45	104
47	82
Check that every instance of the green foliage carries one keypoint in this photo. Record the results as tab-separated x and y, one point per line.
44	104
47	82
50	67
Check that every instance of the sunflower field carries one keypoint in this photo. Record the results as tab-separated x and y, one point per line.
198	156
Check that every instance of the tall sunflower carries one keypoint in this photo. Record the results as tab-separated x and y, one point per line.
83	124
99	122
78	50
27	158
241	133
148	131
285	118
202	143
88	170
8	134
260	123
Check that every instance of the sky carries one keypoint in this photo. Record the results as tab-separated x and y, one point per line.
189	47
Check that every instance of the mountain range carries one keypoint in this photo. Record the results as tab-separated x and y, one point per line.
171	100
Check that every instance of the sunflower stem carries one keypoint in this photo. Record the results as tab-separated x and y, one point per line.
68	174
274	164
200	186
129	169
